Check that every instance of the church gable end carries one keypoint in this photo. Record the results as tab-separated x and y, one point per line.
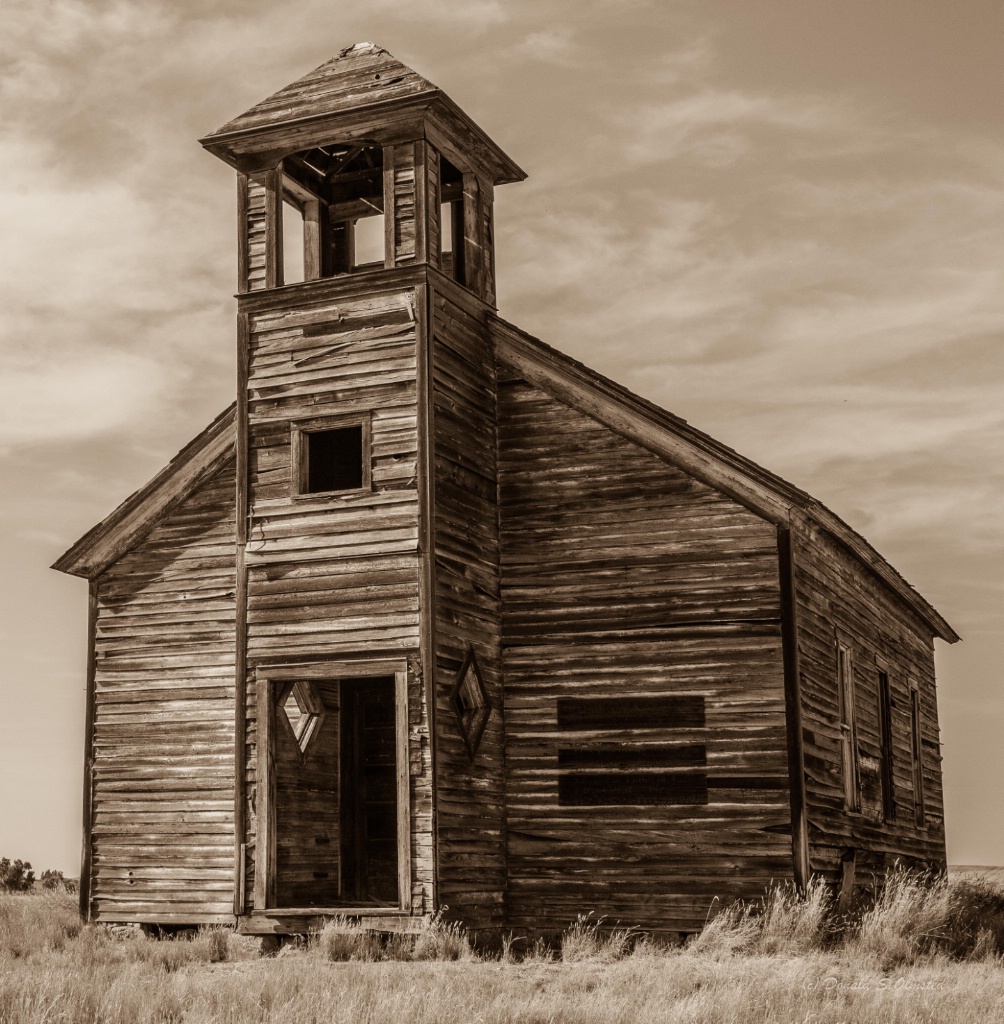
645	699
161	799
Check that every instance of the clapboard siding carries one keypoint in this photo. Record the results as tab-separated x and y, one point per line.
336	576
254	240
403	183
834	596
471	812
162	819
623	577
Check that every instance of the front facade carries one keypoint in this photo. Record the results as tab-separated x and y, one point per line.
436	616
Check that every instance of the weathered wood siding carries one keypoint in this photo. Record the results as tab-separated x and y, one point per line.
837	597
470	796
433	201
162	830
254	213
402	202
646	762
337	576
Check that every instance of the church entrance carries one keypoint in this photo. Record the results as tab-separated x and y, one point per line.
332	802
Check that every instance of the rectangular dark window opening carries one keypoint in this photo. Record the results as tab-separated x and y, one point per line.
626	789
885	738
334	459
676	712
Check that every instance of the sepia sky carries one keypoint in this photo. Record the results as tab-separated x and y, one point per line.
781	219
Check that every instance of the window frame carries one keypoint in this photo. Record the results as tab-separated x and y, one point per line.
850	762
300	453
887	740
917	751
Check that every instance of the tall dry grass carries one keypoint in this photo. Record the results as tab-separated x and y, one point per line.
927	950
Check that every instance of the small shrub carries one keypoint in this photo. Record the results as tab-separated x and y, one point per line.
57	880
16	876
975	926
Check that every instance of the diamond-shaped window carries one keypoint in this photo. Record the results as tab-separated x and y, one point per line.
304	712
470	703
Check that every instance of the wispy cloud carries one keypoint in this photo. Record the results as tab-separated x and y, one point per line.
550	44
94	393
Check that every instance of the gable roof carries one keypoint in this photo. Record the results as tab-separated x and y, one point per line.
675	440
141	511
360	75
362	80
572	382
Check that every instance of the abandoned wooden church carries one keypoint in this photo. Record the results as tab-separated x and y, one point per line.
436	615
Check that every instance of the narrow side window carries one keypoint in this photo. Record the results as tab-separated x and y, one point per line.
918	757
848	735
885	740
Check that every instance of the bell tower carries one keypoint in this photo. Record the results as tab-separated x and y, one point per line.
370	737
364	165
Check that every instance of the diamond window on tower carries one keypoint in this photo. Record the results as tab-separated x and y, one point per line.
471	704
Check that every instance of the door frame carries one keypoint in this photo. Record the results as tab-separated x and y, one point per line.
266	681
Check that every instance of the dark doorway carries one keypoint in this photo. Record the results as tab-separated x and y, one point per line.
335	775
369	792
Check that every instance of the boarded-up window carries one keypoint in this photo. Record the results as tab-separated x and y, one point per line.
917	751
885	741
632	770
848	733
670	712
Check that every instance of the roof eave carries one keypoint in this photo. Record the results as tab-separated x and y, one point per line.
124	527
763	492
236	147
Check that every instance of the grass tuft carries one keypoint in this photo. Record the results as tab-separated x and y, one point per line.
793	923
587	940
36	923
908	920
440	939
345	939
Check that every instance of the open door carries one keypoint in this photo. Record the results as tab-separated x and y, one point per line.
336	833
368	793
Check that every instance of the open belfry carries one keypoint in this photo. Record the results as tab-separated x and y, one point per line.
436	616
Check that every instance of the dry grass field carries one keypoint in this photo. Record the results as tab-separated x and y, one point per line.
924	952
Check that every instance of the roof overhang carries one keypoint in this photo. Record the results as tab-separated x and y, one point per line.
101	546
430	115
675	440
